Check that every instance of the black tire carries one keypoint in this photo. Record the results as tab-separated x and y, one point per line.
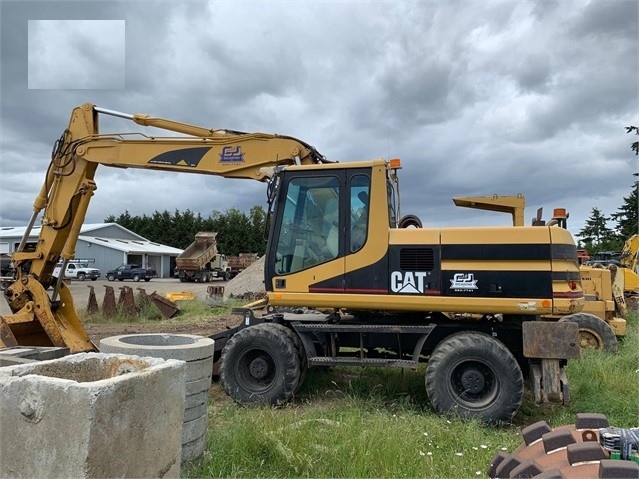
147	279
227	275
594	332
81	276
94	279
136	277
473	375
301	354
260	365
410	221
110	277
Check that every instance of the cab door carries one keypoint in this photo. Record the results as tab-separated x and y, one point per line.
308	234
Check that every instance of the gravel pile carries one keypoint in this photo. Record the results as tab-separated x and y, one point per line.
248	284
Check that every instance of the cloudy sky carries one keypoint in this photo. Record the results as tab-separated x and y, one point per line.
475	97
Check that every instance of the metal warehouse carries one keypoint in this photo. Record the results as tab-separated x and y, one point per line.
105	246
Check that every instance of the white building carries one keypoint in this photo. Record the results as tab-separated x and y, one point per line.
105	246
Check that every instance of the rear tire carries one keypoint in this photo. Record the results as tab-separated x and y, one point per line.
136	277
473	375
260	365
81	276
594	332
110	277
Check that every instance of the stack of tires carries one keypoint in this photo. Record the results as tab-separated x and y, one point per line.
197	352
562	453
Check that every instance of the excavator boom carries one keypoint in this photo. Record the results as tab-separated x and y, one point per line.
64	198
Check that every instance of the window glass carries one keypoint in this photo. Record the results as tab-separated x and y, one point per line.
359	209
310	224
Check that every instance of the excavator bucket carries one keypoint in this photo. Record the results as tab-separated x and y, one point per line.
36	325
166	307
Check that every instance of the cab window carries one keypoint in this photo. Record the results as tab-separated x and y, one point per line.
309	231
359	210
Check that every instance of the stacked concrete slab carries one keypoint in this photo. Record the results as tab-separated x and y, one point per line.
92	415
197	352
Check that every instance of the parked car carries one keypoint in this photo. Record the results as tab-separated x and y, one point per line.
80	271
130	271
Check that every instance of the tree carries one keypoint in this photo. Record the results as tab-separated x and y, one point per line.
236	231
626	216
635	145
596	234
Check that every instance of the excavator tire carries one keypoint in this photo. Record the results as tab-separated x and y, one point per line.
566	452
473	375
260	365
594	332
298	346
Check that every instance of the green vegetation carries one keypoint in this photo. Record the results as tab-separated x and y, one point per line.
237	231
191	311
378	423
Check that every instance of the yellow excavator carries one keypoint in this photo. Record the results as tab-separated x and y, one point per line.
468	301
606	288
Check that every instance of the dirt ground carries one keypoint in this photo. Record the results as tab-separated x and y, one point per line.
174	326
97	332
81	290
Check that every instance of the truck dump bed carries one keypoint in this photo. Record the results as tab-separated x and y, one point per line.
200	252
243	261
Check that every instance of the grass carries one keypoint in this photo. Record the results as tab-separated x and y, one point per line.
378	423
190	312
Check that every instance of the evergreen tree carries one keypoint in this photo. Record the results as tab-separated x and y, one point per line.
596	234
626	215
635	145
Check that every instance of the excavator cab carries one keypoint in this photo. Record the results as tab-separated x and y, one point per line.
322	218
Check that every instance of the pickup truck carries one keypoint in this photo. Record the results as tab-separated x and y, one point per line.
130	271
80	271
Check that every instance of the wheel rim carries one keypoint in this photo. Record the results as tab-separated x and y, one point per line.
256	370
590	339
474	384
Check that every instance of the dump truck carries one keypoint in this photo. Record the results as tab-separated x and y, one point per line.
237	264
200	261
467	301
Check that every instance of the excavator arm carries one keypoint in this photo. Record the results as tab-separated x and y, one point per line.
630	254
42	320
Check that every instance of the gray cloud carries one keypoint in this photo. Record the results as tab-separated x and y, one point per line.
477	98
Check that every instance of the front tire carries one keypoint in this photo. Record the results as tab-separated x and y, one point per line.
594	332
260	365
110	277
136	277
475	376
299	347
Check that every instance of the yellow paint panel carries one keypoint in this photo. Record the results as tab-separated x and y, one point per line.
478	305
494	265
496	235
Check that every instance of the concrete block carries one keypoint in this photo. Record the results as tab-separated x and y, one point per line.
193	449
92	415
196	351
186	347
193	429
27	354
197	386
196	399
196	412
